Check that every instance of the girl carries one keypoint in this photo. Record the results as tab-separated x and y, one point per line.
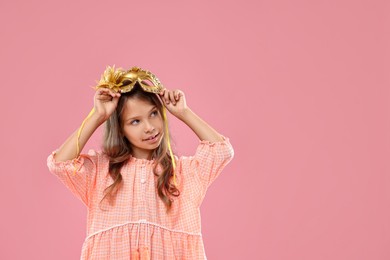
142	202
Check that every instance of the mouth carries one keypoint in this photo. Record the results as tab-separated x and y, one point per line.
151	138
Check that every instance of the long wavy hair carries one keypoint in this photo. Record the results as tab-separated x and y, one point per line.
118	148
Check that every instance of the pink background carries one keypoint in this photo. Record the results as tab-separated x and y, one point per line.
301	88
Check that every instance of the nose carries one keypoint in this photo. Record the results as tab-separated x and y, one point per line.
149	128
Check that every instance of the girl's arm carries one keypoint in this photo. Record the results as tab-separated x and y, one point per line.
200	127
175	102
105	103
68	150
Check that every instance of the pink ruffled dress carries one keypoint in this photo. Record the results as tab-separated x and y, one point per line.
137	226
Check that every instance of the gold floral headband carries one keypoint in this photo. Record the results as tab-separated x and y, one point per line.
123	81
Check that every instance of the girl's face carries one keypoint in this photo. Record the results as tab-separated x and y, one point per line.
142	126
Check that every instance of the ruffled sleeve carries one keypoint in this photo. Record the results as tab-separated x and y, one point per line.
77	175
208	162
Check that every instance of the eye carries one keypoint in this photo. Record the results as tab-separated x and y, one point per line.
134	122
154	113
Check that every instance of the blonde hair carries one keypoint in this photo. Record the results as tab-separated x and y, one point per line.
118	148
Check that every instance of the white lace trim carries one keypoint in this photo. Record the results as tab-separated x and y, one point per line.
143	221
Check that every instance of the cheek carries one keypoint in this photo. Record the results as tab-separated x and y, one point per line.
129	132
160	123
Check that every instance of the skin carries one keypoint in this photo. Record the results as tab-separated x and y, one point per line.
141	121
105	102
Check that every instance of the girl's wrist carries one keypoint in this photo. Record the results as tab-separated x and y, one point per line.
98	119
184	114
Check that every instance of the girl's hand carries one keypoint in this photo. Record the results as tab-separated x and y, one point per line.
105	102
174	101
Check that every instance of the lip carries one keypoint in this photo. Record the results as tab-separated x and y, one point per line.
153	139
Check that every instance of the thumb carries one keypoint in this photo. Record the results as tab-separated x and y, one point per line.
116	97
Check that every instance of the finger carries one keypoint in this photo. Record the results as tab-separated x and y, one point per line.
178	94
166	97
104	98
113	93
117	94
116	98
172	97
107	95
107	91
100	91
103	94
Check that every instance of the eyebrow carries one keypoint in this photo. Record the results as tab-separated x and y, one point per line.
135	117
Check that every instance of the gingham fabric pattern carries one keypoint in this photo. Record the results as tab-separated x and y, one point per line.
138	220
